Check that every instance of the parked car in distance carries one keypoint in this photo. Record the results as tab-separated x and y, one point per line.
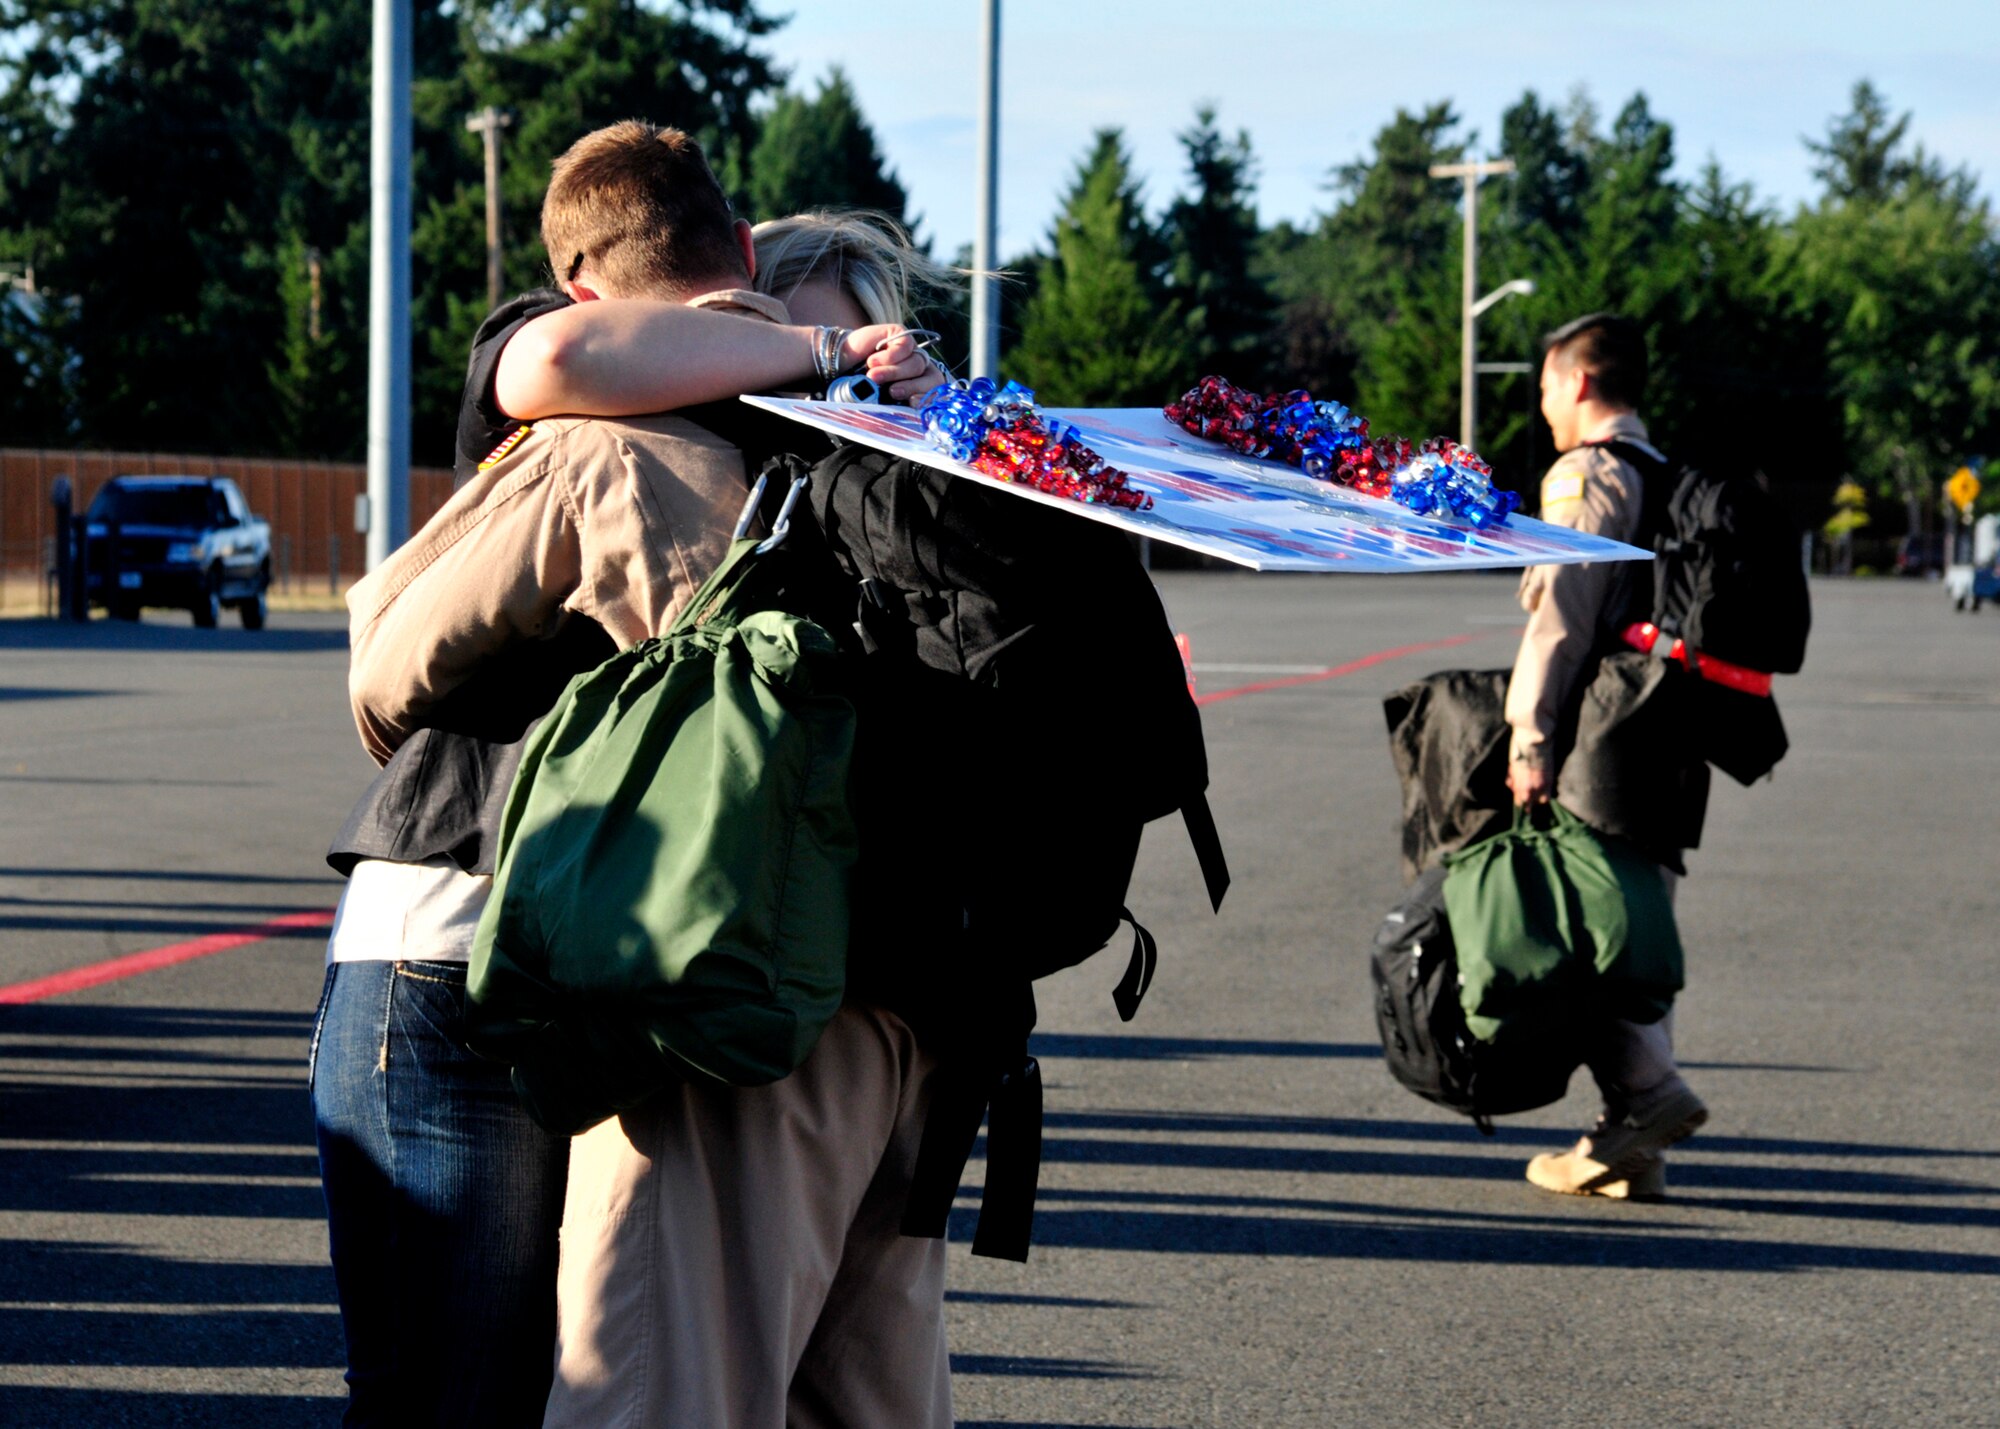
184	541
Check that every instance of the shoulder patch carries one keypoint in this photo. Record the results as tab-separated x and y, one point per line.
1562	486
514	440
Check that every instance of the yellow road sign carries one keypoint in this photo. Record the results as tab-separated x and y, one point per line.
1963	488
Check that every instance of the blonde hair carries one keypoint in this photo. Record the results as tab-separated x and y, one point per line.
867	255
637	205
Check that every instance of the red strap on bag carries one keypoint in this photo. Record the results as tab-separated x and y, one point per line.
1645	637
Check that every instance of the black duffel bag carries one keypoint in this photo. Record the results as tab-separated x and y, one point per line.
1424	1037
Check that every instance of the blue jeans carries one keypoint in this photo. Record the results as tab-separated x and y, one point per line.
443	1203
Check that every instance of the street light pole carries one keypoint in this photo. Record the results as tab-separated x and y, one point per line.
487	124
986	287
1468	379
389	283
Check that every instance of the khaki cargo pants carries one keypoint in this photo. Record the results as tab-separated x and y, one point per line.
731	1257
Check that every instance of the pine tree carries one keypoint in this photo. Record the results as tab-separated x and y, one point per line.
1100	330
1212	236
821	153
1545	192
1898	261
1389	202
1396	232
1861	158
165	164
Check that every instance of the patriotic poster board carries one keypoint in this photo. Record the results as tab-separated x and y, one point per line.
1260	514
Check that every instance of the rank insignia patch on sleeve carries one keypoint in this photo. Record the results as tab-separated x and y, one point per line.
1563	486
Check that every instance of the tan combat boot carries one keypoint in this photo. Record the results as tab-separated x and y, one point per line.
1621	1159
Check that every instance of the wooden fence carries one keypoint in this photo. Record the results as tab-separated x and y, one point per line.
310	505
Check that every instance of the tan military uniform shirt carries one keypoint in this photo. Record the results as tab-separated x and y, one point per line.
1588	489
619	519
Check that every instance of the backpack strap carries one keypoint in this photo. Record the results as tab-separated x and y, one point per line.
1207	843
1013	1164
1654	468
1131	989
1010	1103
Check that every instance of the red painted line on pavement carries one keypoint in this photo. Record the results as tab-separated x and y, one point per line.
153	959
1336	671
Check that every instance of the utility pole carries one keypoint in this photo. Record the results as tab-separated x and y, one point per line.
986	287
389	283
487	124
1468	379
313	261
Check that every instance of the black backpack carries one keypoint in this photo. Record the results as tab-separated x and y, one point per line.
1025	713
1424	1037
1727	576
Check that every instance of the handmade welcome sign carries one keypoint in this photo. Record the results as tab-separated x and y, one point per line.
1135	469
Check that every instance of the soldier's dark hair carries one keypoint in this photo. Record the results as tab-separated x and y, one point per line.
1612	349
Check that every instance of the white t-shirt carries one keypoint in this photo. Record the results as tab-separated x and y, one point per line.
400	912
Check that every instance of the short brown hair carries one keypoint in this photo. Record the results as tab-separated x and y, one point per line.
638	206
1612	349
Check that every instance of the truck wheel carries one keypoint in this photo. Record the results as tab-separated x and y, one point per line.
123	610
253	610
207	607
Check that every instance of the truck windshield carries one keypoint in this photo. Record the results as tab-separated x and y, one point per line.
154	505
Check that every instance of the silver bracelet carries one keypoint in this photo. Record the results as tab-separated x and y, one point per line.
829	359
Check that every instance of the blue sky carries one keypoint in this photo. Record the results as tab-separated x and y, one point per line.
1313	82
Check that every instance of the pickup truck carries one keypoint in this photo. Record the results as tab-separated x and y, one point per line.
184	541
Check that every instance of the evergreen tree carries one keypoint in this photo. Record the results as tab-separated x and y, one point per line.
1544	194
561	70
820	153
1746	385
1212	236
1861	158
1373	258
1100	330
1390	205
1397	231
168	164
1898	261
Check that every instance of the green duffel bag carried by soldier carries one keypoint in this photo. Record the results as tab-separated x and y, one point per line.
671	894
1556	925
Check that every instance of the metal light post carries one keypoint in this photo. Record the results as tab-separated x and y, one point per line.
986	287
1468	379
389	284
487	124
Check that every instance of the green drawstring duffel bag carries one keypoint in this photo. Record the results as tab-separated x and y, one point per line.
671	890
1557	924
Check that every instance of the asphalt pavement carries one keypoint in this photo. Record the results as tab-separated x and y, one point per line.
1243	1221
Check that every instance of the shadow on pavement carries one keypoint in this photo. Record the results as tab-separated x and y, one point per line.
51	923
137	783
1043	1367
254	910
145	1410
1386	1235
139	1123
10	694
1767	1175
1459	1130
1113	1047
1001	1297
157	638
169	875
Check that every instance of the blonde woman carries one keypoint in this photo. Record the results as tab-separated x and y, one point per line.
850	269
